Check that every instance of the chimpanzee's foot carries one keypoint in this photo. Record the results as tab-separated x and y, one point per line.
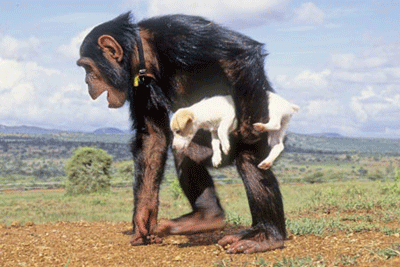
192	223
250	241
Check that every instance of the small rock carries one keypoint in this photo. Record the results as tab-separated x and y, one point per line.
178	258
16	224
219	247
29	223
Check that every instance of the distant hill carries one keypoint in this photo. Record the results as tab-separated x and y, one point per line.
305	143
299	143
37	130
109	131
26	130
327	134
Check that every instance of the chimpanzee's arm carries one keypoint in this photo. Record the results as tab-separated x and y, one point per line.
150	153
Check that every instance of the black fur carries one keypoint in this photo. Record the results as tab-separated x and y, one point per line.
192	44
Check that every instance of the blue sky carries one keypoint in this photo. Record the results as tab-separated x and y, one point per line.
338	60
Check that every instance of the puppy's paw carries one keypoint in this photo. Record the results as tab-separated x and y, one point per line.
265	165
225	147
259	127
216	160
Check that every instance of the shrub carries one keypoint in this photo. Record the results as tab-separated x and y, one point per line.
123	170
126	168
377	175
88	170
316	177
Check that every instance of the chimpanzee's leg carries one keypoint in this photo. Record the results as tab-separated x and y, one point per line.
268	228
198	186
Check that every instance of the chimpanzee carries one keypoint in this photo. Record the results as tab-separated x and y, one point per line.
161	64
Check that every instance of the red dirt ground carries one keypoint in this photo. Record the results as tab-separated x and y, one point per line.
107	244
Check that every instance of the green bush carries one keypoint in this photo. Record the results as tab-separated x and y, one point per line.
316	177
88	171
377	175
124	170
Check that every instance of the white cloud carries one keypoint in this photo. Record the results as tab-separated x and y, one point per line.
11	47
71	50
332	26
234	13
307	79
358	94
322	107
370	81
35	95
308	13
238	14
313	79
351	61
9	73
322	115
378	63
362	76
394	72
26	88
372	105
298	29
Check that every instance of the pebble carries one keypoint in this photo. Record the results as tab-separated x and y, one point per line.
16	224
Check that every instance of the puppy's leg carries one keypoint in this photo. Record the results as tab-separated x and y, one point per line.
215	144
276	148
223	133
273	124
276	143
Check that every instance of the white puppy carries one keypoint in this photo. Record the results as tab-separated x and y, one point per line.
217	115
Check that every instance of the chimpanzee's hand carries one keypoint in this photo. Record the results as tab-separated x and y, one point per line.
145	223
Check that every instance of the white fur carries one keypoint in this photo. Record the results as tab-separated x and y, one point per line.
280	113
217	115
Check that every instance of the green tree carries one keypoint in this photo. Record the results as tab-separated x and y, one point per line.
88	170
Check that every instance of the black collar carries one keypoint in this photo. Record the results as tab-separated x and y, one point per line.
139	79
142	66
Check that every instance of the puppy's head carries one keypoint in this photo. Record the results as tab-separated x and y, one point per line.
182	128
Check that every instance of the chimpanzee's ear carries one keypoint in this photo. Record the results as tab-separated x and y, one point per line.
111	47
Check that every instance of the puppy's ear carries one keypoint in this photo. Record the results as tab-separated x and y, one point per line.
189	117
185	119
174	122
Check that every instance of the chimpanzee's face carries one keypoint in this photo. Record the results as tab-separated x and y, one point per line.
106	73
97	84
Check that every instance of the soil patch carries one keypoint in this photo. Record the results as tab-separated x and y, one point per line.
107	244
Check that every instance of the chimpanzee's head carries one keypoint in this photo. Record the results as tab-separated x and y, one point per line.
106	55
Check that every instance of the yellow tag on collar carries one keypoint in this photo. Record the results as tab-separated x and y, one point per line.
136	81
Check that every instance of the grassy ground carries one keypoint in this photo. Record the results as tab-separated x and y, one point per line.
348	223
356	206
